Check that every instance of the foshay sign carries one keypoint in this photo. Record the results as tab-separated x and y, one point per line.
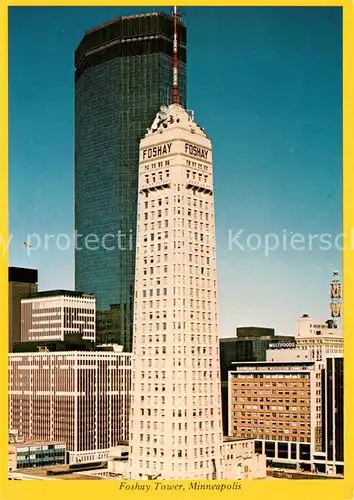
193	150
155	151
165	149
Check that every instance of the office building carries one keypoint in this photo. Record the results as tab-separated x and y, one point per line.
251	344
254	331
22	283
283	405
332	416
54	315
175	425
240	459
123	73
108	324
79	398
307	327
34	453
175	422
322	340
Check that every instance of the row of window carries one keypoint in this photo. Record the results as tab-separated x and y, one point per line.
177	222
259	433
179	466
259	397
178	199
197	176
200	283
269	423
267	407
159	176
178	231
199	291
261	394
200	388
180	314
159	164
197	165
162	374
154	452
279	382
278	415
202	237
193	327
179	338
192	246
269	400
161	363
161	400
159	438
178	426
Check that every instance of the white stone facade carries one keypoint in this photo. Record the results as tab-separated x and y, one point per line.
50	318
241	461
318	339
175	423
79	397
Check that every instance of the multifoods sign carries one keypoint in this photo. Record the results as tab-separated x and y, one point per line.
164	149
282	345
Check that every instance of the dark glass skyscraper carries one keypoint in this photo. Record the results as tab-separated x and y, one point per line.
23	283
123	74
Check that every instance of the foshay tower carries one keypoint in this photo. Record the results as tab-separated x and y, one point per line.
175	422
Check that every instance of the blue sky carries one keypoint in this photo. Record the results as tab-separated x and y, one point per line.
265	83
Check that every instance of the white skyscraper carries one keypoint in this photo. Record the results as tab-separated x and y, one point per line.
175	423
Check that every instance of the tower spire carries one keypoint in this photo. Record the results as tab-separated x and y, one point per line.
336	298
175	56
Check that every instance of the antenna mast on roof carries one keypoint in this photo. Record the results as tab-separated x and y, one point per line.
176	17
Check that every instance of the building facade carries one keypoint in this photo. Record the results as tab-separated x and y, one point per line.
175	425
251	344
52	316
281	404
79	398
241	461
123	73
319	339
332	416
22	283
33	454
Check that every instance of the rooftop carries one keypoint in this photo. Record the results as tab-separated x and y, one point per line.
126	18
271	363
273	338
61	293
35	442
232	439
174	116
23	275
42	472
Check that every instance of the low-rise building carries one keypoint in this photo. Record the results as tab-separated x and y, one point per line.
34	453
53	315
321	340
80	398
287	408
250	344
240	461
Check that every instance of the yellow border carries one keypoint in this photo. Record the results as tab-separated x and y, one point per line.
314	489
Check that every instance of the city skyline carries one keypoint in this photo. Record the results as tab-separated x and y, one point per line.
306	96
